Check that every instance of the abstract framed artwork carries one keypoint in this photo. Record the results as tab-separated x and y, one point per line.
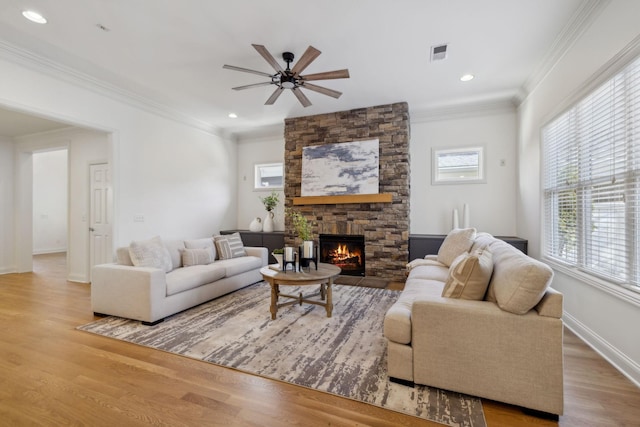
341	168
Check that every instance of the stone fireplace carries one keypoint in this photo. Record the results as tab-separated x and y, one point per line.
384	225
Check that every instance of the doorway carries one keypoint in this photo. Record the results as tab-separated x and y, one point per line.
50	203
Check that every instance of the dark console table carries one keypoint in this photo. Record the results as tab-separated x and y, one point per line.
426	244
271	241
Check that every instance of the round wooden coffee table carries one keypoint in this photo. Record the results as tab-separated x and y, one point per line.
323	276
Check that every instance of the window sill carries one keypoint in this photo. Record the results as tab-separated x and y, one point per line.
618	291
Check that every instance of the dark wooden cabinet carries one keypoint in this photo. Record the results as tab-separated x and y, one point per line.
271	241
426	244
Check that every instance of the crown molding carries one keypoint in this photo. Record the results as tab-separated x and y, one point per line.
577	25
472	109
56	70
262	133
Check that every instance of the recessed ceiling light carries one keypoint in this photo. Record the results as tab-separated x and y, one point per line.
233	116
467	77
34	17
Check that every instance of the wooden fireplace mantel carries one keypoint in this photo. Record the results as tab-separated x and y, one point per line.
349	198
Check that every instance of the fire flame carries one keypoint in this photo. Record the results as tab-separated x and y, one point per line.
342	252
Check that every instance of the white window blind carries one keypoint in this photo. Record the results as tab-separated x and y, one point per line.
591	174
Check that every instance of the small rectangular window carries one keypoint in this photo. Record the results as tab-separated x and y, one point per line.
458	166
268	176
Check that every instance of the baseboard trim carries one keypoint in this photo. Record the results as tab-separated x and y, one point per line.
628	367
8	270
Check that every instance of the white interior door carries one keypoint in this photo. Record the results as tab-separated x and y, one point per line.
100	214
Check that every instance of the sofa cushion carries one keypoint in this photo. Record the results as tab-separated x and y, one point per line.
202	256
183	279
150	253
469	275
240	265
519	281
175	248
458	241
230	246
397	320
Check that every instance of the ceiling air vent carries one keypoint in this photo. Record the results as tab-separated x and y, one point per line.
438	53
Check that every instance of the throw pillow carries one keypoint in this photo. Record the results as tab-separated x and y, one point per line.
201	256
458	241
206	242
150	253
123	257
519	282
469	275
230	246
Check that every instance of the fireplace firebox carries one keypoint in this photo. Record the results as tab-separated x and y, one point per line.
344	251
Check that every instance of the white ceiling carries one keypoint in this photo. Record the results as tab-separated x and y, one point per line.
171	53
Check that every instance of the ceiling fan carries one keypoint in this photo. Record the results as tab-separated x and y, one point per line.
290	78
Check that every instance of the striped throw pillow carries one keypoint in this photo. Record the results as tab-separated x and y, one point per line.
229	246
469	275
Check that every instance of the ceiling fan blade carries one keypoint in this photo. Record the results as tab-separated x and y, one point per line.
301	97
274	96
268	57
246	70
322	90
307	58
327	75
252	85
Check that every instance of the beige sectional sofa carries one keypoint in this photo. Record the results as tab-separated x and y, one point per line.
157	278
497	333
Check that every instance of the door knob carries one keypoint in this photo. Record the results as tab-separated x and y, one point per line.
91	229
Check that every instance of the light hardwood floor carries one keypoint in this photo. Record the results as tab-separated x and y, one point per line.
51	374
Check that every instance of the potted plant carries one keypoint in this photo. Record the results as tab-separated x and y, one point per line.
269	202
303	230
277	254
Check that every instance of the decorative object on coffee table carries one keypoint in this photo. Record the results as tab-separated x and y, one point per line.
269	202
278	254
302	226
323	276
289	259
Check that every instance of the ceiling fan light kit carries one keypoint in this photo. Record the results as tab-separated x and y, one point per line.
291	78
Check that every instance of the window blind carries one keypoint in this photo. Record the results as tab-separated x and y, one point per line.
591	176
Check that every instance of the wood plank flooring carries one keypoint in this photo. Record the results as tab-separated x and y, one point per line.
51	374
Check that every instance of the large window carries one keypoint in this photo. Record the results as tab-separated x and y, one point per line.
591	170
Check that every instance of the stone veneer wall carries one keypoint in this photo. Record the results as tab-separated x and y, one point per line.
384	225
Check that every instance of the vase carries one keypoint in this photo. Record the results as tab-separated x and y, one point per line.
256	225
465	216
267	225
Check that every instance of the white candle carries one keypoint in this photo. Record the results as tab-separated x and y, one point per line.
288	253
307	249
455	219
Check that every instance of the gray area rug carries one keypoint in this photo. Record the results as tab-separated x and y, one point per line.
344	355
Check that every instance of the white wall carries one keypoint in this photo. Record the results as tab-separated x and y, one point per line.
492	205
7	260
252	150
180	178
50	188
606	321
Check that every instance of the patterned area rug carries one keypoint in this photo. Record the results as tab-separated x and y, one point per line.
344	355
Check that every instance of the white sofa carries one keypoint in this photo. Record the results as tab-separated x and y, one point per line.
490	327
151	293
